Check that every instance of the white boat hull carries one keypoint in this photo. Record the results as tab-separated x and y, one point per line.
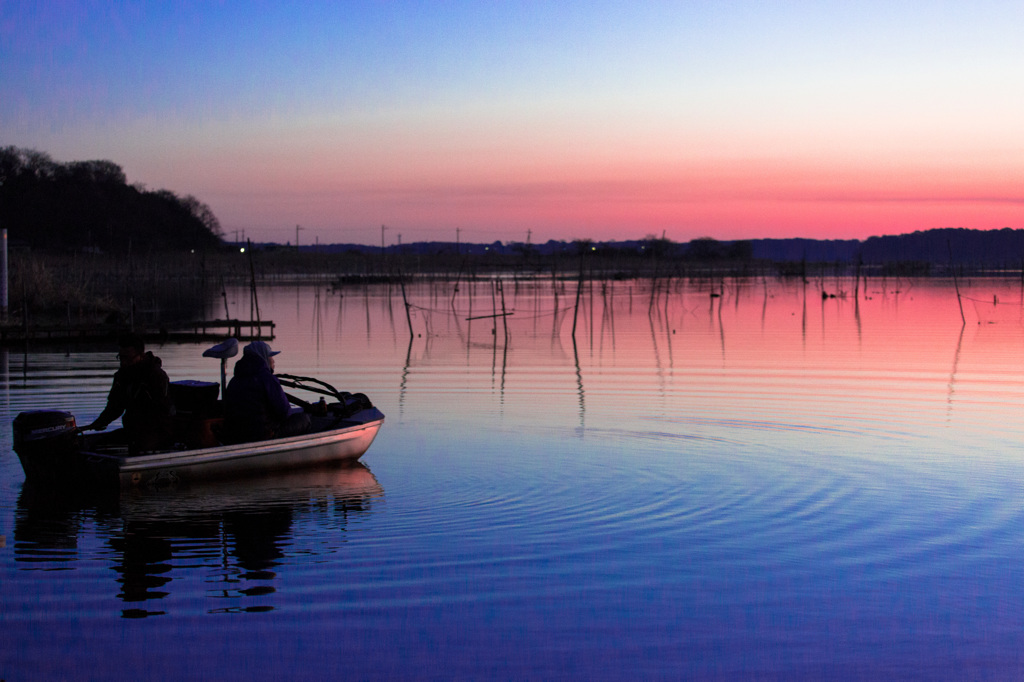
338	445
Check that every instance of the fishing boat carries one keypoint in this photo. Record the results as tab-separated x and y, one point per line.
50	445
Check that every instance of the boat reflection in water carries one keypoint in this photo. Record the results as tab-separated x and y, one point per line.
236	537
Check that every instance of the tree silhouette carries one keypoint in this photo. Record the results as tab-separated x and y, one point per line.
89	205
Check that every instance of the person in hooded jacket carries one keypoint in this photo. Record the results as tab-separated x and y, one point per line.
139	393
255	405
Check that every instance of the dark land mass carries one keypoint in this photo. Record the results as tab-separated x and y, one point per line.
86	248
88	206
84	207
927	252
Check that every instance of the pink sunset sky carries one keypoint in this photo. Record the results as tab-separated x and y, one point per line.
499	121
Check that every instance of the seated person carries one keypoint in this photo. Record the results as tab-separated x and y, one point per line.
255	405
140	393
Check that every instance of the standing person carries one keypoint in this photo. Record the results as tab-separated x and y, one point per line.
140	393
255	405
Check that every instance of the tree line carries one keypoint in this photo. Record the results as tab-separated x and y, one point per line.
46	205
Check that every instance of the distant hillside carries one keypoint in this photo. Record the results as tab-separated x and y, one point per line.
993	248
88	205
984	248
975	248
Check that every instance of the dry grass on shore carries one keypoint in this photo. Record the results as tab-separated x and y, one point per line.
92	288
155	288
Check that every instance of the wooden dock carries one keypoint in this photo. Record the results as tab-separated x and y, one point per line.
181	332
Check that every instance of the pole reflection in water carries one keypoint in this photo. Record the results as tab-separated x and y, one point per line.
693	486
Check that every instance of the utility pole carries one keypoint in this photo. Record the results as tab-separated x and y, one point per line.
297	228
457	248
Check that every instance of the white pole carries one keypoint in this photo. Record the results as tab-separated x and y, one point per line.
3	277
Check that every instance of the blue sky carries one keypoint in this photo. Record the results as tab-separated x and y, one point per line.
605	120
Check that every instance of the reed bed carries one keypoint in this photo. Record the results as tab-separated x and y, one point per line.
154	288
94	288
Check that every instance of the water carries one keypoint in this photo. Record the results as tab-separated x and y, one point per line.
764	484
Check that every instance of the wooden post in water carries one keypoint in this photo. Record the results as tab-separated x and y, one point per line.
254	303
3	277
494	310
408	315
856	279
955	283
554	284
24	308
579	289
224	295
458	276
504	314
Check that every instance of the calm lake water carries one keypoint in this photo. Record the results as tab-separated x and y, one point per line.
764	484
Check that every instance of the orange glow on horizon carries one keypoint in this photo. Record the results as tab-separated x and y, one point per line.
725	200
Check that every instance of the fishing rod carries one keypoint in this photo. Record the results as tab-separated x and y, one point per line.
292	381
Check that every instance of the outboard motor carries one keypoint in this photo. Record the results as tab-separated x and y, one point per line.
43	439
